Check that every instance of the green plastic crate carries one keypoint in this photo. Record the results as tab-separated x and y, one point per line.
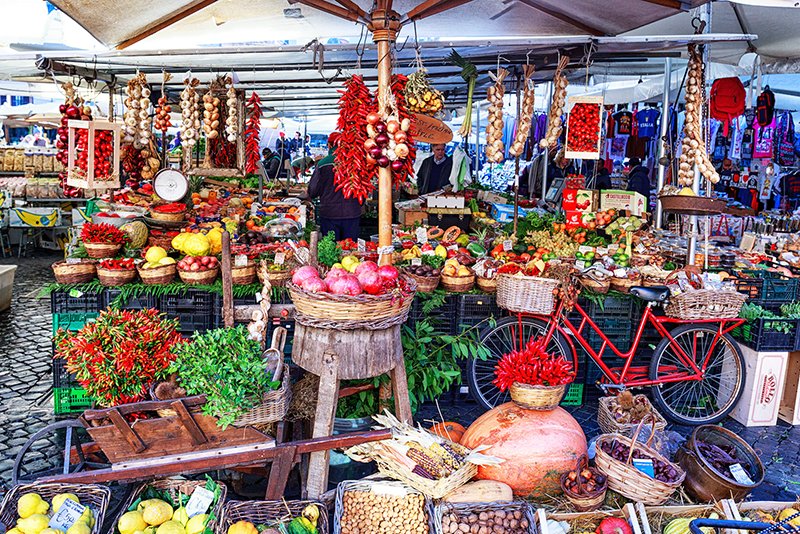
70	400
72	321
574	396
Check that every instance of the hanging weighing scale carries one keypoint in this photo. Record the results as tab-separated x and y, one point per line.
170	185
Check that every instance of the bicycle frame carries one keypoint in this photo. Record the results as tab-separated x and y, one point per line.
628	375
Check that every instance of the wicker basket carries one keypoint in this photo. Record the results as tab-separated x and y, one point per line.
101	250
275	403
74	273
609	425
244	274
629	481
267	512
692	205
597	284
276	278
705	304
163	241
206	277
526	294
92	495
652	281
487	285
458	284
115	277
540	398
167	217
464	510
425	284
624	285
369	485
584	501
174	487
372	312
163	274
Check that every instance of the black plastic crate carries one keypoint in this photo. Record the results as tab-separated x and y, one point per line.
765	334
289	325
195	310
74	301
775	287
61	377
140	302
443	318
474	308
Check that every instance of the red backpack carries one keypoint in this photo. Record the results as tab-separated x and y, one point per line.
727	101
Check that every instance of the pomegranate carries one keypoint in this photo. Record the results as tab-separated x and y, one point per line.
371	282
301	274
365	266
389	273
346	285
314	284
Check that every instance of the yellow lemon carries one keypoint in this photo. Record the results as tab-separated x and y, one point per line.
14	530
130	522
242	527
50	531
171	527
79	528
156	512
33	524
30	504
166	261
197	524
59	499
181	516
87	517
155	254
786	514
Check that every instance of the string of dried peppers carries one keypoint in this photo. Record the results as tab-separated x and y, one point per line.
252	134
353	175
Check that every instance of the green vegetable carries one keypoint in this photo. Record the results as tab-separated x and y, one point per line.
433	260
669	266
328	251
476	250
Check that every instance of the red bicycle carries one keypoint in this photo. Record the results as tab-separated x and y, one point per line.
696	372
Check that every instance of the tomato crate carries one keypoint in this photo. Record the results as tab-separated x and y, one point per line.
74	301
195	310
775	287
474	308
139	302
70	400
442	318
72	321
768	334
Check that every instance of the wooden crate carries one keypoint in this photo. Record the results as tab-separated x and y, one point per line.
593	100
649	515
75	175
789	409
173	427
629	512
763	389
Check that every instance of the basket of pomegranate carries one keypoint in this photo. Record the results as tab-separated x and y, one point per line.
198	270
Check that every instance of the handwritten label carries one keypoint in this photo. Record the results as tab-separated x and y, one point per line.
422	236
67	515
362	245
280	258
73	261
601	251
645	465
452	247
740	475
508	245
640	249
583	249
240	260
199	502
416	261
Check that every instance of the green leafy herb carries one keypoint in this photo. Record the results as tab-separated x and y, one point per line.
328	251
433	260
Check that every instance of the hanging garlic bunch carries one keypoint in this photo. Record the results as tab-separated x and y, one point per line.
495	150
151	163
554	121
137	113
210	115
190	112
694	148
525	113
232	120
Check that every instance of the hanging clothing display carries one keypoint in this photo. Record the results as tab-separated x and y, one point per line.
624	122
647	123
785	139
738	125
764	140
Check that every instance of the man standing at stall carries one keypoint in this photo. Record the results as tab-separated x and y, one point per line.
639	178
336	213
434	173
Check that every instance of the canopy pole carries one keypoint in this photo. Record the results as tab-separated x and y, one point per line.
516	159
662	146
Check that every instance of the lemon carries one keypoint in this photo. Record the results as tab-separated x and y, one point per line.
178	240
59	499
130	522
33	524
166	261
786	514
181	516
14	530
156	512
30	504
79	528
52	531
197	524
87	517
171	527
155	254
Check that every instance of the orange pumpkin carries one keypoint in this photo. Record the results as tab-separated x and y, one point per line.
537	447
450	430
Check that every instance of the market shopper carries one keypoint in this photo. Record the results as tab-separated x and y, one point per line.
602	178
336	213
434	174
639	178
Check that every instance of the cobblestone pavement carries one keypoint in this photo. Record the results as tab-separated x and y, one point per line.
26	402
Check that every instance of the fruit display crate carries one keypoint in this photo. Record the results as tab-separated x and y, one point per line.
195	310
72	321
443	318
475	308
767	286
574	395
139	302
70	400
74	301
779	334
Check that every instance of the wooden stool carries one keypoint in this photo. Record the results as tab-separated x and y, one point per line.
336	355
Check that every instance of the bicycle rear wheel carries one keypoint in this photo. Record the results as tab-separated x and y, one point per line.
500	339
698	402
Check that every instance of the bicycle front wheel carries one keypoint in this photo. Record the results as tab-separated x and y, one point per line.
698	402
501	339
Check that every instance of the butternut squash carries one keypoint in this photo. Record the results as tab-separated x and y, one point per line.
481	491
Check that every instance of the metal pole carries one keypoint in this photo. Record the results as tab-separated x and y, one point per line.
662	147
547	149
516	159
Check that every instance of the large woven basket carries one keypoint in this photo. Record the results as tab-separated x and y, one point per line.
174	487
463	510
74	273
163	241
275	403
584	501
94	496
168	217
458	284
101	250
158	275
609	425
267	513
115	277
367	486
705	304
526	294
344	312
692	205
540	398
487	285
244	274
598	284
425	284
206	277
628	480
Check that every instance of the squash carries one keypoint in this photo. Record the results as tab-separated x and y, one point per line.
449	430
481	491
451	234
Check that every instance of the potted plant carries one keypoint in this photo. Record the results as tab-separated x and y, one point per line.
102	240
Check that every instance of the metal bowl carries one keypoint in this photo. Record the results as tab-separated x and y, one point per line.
283	228
116	221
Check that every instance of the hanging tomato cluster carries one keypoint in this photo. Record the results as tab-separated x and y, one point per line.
163	109
353	175
252	133
71	109
103	150
583	130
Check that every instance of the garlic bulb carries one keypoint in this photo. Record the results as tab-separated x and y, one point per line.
494	126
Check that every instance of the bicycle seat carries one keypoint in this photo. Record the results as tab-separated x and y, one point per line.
651	294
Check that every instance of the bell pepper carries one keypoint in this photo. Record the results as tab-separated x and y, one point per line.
476	250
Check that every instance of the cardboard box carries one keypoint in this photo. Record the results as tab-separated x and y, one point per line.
763	388
574	218
623	201
587	200
504	213
789	409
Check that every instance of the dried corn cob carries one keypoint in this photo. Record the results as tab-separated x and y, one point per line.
423	459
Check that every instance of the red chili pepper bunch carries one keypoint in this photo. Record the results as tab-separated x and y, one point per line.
103	233
583	129
399	91
251	134
118	356
125	264
353	176
532	366
172	207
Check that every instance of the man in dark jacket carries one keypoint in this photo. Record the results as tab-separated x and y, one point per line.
639	178
602	178
434	173
336	213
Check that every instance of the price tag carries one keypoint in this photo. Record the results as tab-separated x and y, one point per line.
641	249
612	249
280	258
422	235
73	261
75	293
240	260
362	245
508	245
620	273
580	264
416	261
259	298
645	465
583	249
67	515
740	475
389	490
199	502
452	247
601	251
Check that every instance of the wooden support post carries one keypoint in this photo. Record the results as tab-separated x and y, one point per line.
282	465
227	281
327	399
